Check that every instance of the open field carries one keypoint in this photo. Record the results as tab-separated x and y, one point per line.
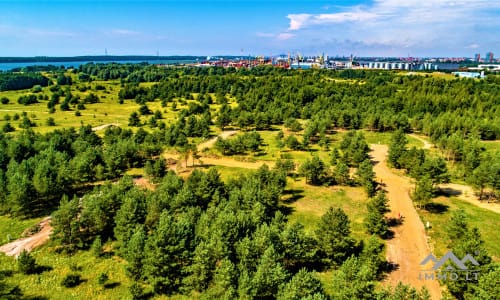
48	283
301	202
485	220
11	228
308	203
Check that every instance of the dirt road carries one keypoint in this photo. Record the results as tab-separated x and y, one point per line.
211	142
409	245
217	161
28	243
101	127
427	144
466	193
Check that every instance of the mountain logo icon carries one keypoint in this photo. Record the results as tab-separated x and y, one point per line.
450	256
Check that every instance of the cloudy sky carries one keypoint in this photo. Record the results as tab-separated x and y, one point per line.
239	27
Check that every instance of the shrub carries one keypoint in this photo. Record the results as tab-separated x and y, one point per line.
36	89
4	100
7	127
27	99
26	263
71	280
50	122
102	278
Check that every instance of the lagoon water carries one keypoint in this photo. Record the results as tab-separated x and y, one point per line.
76	64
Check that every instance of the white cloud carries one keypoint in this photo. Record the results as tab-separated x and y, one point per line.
124	32
305	20
473	46
28	32
297	21
282	36
405	24
265	34
285	36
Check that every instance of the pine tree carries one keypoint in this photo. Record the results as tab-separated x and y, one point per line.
26	263
134	253
269	276
397	148
303	284
423	192
366	177
375	221
333	235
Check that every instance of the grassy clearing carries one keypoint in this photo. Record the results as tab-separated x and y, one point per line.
13	227
48	283
486	221
491	145
107	111
311	202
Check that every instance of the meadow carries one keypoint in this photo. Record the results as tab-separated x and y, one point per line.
301	202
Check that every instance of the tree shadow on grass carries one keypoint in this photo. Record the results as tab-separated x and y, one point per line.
447	191
112	285
436	208
286	210
39	269
292	195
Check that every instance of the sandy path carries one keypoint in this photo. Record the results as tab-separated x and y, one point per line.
211	142
409	245
101	127
466	193
217	161
223	161
427	144
16	247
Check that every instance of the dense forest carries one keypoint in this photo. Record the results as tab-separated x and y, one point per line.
14	81
200	236
372	100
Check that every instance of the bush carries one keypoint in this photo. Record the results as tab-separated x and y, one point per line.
7	127
26	263
102	278
136	291
71	280
78	113
4	100
36	89
50	122
27	99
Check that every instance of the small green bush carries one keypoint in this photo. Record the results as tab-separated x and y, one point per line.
26	263
71	280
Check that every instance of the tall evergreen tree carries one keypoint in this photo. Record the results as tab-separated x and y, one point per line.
334	235
397	148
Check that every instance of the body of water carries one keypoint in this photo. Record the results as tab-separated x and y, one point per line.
76	64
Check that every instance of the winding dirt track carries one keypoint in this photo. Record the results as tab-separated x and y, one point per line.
211	142
409	245
28	243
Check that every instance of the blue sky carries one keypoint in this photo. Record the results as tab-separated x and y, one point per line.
239	27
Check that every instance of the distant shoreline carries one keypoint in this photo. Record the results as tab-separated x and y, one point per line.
42	59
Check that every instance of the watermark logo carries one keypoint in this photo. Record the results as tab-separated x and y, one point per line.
456	269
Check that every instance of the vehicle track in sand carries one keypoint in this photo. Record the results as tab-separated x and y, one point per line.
409	245
29	243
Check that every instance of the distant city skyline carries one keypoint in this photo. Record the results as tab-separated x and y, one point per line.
423	28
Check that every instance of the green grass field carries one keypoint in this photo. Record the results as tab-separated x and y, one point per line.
486	221
308	203
48	283
305	203
107	111
12	227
